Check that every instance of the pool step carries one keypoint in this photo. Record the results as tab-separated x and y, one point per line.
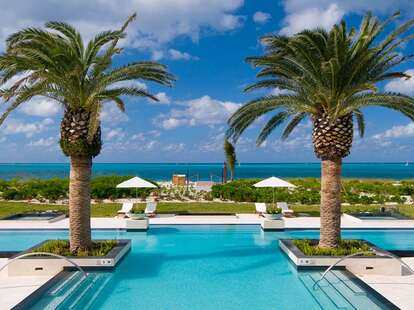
75	292
337	291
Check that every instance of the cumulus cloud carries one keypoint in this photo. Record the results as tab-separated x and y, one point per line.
403	85
41	107
201	111
261	17
172	54
402	131
305	14
162	97
158	22
311	18
15	126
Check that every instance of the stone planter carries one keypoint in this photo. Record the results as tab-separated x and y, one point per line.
136	224
49	265
381	265
273	224
136	216
273	216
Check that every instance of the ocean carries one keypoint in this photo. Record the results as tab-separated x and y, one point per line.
211	171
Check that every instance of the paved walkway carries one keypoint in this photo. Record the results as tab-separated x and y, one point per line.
14	289
348	222
397	289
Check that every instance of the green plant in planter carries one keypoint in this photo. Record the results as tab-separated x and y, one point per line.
273	210
346	247
61	247
137	212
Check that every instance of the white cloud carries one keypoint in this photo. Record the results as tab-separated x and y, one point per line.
174	147
201	111
115	134
301	14
311	18
41	107
177	55
403	85
158	22
162	97
15	126
157	55
261	17
112	114
43	142
402	131
171	54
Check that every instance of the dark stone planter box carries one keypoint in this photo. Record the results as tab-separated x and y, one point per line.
360	265
49	265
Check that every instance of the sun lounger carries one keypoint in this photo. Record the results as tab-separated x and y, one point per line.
260	207
285	208
126	208
151	208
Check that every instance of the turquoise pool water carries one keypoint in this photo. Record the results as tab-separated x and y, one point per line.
208	267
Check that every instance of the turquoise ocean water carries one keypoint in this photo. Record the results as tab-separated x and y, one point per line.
211	171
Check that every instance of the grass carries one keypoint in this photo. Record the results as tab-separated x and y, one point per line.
110	209
347	247
61	247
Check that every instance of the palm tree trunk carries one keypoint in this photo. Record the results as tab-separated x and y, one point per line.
80	203
330	233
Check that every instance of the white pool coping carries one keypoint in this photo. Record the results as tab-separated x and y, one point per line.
347	222
13	290
397	289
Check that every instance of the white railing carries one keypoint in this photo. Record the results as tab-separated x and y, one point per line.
47	254
362	253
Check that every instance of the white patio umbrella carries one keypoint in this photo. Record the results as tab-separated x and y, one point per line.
136	182
274	182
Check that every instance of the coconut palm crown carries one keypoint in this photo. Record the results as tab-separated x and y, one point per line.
327	77
54	62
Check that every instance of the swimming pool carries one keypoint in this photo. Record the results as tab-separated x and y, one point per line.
209	267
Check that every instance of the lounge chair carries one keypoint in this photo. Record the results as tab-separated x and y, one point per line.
285	208
260	207
151	208
126	208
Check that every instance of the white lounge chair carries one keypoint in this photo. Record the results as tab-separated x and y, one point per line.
126	208
260	207
285	208
151	208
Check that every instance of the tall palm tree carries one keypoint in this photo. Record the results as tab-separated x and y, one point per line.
55	63
327	77
230	154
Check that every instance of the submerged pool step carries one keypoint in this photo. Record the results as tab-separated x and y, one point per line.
339	289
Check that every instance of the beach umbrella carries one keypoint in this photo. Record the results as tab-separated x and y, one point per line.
136	182
274	182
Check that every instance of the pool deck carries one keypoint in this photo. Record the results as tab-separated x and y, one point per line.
347	222
14	289
397	289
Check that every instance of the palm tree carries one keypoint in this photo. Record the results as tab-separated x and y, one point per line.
230	154
327	77
56	64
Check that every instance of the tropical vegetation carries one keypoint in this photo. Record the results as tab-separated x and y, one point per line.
346	247
231	158
56	63
62	247
328	77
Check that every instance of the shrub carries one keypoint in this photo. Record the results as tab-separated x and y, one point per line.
347	247
61	247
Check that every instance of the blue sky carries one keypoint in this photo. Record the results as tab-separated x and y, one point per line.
204	43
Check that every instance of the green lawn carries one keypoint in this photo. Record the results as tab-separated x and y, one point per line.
110	209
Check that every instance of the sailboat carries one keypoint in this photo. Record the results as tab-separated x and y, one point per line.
406	163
